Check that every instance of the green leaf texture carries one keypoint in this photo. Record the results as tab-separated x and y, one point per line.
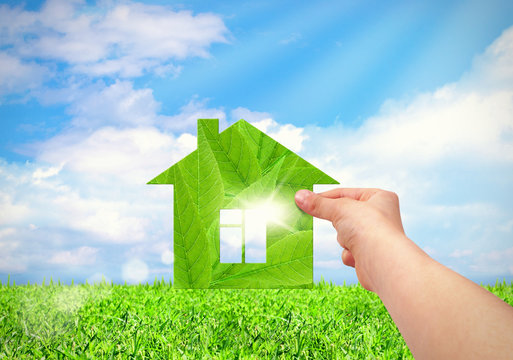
231	170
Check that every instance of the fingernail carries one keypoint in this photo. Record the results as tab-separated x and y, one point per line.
301	196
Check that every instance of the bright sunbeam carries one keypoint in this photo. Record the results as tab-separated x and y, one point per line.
268	212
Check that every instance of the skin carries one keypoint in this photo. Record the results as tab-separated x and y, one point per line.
440	314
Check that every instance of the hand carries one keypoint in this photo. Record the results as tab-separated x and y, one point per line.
365	219
441	314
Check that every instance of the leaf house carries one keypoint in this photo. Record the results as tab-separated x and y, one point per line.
236	224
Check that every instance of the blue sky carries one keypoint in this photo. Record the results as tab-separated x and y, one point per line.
97	97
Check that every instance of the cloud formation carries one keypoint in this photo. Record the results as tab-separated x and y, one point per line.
452	143
87	183
83	255
187	119
288	135
18	76
124	39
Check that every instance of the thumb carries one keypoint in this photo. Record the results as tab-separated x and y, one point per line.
317	205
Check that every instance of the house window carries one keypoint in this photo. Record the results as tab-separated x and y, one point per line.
242	235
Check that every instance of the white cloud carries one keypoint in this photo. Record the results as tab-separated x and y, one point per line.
91	178
110	220
17	76
465	123
107	207
11	211
461	253
117	132
492	70
6	232
42	173
9	263
118	104
292	38
127	67
496	262
156	253
132	155
445	215
167	257
113	38
135	271
249	115
288	135
430	149
118	136
450	122
83	255
457	126
189	114
507	226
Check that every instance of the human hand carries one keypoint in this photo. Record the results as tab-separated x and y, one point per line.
366	220
441	314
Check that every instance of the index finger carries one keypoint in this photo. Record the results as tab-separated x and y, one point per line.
316	205
352	193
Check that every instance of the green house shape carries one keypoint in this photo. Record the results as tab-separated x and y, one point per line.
240	185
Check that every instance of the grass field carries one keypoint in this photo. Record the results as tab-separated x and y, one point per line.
156	321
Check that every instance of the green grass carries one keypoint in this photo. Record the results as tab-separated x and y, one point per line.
158	321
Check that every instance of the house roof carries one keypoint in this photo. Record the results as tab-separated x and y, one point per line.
241	155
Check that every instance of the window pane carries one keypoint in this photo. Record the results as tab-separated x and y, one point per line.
230	244
255	237
230	216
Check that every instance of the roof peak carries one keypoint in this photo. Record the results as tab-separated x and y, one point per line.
240	144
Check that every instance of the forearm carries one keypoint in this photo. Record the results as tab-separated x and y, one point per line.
440	314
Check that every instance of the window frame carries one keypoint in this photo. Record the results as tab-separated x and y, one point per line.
242	227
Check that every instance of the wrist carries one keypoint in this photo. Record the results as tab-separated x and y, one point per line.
394	259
